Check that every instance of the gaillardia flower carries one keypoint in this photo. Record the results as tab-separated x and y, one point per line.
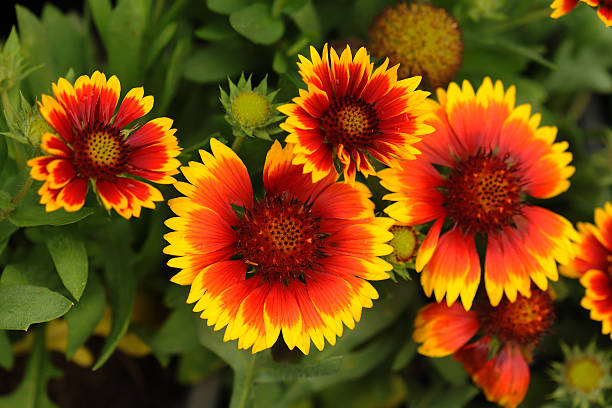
475	170
604	8
352	113
425	40
583	377
593	265
297	261
498	359
93	145
251	112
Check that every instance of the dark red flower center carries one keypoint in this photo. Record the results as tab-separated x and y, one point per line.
100	152
525	321
280	238
351	122
483	193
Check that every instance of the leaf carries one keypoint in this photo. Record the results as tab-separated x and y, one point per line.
215	31
6	230
174	71
83	318
439	396
23	305
101	12
32	392
283	372
6	353
450	369
124	40
197	364
3	153
216	62
177	335
404	355
122	291
70	258
226	6
32	266
228	351
159	43
30	213
257	24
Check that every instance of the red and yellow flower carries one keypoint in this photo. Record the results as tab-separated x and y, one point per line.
498	358
351	113
297	261
604	8
593	265
484	157
92	145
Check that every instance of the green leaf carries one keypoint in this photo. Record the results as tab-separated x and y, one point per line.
177	335
30	213
228	351
32	266
257	24
226	6
6	353
443	397
124	41
404	355
450	369
85	315
70	258
174	72
197	364
23	305
3	153
101	13
6	230
160	42
122	291
216	62
215	31
32	391
283	372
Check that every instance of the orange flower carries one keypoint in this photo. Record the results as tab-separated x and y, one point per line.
92	146
297	261
502	372
352	112
593	265
604	9
483	158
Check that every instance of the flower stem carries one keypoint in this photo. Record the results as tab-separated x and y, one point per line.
242	385
237	143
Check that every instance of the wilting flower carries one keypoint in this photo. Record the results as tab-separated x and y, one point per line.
476	168
296	261
583	377
352	113
93	145
251	112
593	265
425	40
498	359
604	9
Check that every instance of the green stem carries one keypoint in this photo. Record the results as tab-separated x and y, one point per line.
242	385
579	105
237	143
24	190
527	18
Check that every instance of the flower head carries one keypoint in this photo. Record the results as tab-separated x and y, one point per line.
93	145
604	9
425	40
297	261
498	358
352	113
251	112
484	157
583	377
593	265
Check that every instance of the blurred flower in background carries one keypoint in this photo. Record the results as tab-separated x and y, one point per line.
604	9
423	39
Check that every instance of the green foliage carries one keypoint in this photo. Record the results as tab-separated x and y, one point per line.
70	259
23	305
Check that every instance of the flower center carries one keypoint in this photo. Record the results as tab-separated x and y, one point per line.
525	321
251	109
351	122
404	244
100	152
584	374
483	193
280	238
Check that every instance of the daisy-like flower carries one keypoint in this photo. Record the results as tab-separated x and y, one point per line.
484	157
593	266
498	359
93	145
604	9
352	113
297	261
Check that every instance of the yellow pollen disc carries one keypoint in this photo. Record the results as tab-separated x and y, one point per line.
584	374
251	109
103	149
